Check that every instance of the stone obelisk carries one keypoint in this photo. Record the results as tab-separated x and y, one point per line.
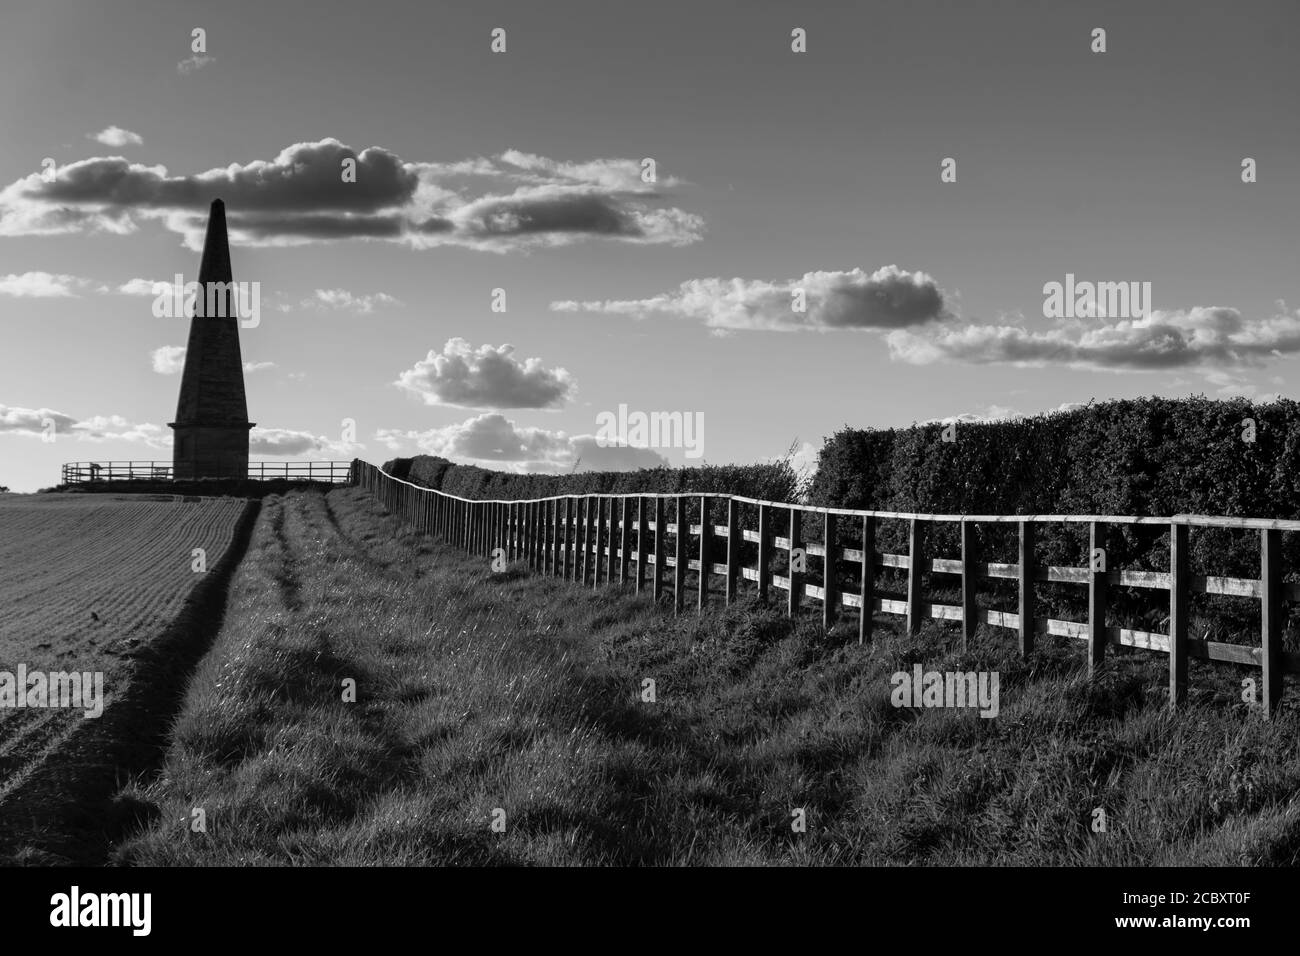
211	427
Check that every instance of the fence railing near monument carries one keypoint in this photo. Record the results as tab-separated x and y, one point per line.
88	472
611	538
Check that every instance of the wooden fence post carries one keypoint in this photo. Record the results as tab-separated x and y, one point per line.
561	526
600	554
521	531
830	572
544	534
1270	597
1027	608
1096	595
679	571
969	611
1179	592
625	542
566	547
510	530
539	536
867	581
642	529
733	549
539	529
579	509
797	556
915	568
528	535
657	581
764	550
593	514
706	535
611	569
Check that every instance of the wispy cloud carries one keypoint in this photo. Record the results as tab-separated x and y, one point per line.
170	360
196	62
1198	337
38	422
889	298
41	285
290	442
344	301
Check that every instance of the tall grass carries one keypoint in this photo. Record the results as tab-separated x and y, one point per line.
481	691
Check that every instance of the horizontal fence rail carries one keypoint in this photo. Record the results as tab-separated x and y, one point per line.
88	472
621	538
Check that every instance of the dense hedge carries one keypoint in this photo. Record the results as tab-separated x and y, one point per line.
1150	457
773	482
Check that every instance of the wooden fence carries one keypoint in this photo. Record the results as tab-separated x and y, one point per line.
612	538
87	472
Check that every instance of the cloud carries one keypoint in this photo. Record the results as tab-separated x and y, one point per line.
34	422
493	440
487	377
40	285
999	413
1198	337
889	298
168	359
285	441
117	428
343	300
117	137
190	64
1231	385
514	201
143	287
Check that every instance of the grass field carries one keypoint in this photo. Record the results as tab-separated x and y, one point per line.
481	692
90	583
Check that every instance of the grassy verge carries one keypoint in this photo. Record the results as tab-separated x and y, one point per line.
481	692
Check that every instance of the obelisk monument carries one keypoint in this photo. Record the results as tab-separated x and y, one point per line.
211	427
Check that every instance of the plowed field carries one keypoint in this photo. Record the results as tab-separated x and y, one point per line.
86	583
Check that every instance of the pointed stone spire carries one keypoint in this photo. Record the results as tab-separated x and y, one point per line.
211	427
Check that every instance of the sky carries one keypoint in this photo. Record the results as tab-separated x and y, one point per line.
779	175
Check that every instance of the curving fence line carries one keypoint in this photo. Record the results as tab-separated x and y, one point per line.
617	538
